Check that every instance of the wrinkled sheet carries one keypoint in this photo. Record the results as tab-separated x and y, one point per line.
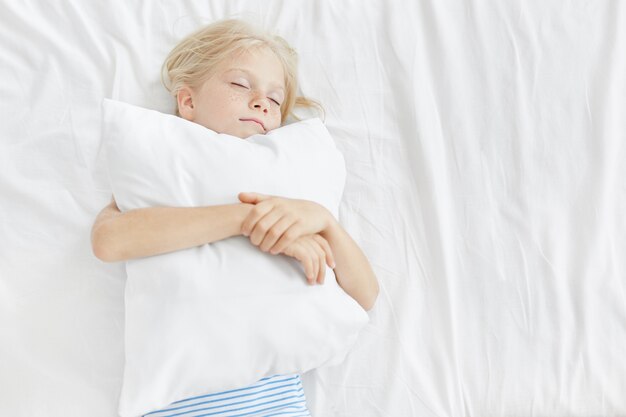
484	144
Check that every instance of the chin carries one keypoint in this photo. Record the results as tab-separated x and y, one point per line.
242	136
248	134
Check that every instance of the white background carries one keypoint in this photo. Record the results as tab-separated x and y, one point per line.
484	142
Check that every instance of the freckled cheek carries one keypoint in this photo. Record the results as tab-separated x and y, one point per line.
234	97
276	119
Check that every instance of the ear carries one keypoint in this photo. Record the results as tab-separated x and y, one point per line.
184	97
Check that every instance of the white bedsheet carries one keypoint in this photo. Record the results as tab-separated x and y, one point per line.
484	143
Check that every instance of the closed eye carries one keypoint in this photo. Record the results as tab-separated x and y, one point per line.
243	86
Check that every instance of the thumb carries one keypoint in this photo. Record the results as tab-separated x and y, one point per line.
252	198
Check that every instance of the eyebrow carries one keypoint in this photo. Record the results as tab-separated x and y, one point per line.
275	85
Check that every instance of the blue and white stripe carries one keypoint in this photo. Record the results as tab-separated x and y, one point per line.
278	395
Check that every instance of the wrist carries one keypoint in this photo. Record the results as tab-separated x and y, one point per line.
244	210
332	227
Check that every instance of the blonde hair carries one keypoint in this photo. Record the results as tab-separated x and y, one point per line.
195	59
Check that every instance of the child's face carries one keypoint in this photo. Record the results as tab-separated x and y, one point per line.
246	87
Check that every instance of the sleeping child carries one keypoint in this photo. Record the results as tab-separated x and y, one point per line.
235	79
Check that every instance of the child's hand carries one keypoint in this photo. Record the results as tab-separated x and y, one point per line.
276	222
313	251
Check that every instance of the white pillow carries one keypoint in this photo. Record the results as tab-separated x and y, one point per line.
222	315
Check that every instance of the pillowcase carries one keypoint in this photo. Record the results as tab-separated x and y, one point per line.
226	314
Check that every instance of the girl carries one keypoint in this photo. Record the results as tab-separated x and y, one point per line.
233	78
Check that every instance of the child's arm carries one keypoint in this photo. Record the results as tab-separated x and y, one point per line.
117	236
276	221
353	271
313	252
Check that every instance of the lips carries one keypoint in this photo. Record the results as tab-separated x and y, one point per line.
252	119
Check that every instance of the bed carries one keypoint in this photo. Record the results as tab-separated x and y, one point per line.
484	145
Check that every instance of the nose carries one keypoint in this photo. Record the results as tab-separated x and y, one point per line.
260	103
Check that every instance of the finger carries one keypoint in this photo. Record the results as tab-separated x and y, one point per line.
277	230
321	257
301	253
298	252
304	254
314	255
293	233
252	198
330	258
320	262
254	216
307	261
264	224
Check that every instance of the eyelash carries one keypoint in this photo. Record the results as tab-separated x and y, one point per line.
277	103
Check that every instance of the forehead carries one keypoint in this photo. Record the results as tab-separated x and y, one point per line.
262	65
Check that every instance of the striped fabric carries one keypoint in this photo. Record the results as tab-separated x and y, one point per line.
278	395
